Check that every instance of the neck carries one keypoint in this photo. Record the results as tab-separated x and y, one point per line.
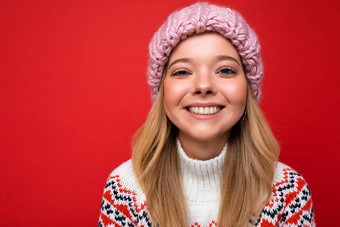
202	149
201	179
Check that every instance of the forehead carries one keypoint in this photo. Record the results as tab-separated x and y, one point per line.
205	44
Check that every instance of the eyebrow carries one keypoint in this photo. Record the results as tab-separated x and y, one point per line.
225	57
179	60
220	57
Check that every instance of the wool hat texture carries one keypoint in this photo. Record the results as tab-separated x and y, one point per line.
199	18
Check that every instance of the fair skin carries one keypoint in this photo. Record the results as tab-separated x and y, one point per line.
205	92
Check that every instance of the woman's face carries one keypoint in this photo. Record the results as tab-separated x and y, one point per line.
205	88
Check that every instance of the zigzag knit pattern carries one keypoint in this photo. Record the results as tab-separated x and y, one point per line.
290	204
123	203
119	206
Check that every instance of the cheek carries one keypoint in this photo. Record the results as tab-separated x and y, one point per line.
168	98
174	91
236	92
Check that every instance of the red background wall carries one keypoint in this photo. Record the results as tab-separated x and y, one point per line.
73	91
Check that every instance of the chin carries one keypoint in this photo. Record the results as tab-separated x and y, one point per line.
205	137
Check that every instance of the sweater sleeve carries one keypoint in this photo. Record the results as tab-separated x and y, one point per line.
122	202
117	205
298	206
290	204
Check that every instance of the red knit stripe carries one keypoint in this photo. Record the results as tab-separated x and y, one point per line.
266	223
122	208
107	221
296	217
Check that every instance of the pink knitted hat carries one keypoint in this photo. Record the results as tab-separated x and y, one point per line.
204	17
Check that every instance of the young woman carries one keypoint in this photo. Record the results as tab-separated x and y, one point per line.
205	155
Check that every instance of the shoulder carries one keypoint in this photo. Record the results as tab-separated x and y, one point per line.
125	179
282	171
287	180
290	203
123	201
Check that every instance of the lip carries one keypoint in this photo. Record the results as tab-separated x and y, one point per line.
204	104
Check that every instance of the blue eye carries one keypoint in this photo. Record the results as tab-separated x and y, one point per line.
180	73
226	71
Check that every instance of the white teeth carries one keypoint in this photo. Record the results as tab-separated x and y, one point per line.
204	110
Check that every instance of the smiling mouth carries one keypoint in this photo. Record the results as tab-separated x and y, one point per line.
204	110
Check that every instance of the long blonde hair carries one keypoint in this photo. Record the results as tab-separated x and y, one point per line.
247	174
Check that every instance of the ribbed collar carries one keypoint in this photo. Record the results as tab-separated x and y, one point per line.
201	179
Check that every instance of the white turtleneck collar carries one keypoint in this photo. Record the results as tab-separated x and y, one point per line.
201	179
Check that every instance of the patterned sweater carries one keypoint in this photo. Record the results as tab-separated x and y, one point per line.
124	203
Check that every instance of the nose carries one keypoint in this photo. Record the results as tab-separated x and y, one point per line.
204	84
